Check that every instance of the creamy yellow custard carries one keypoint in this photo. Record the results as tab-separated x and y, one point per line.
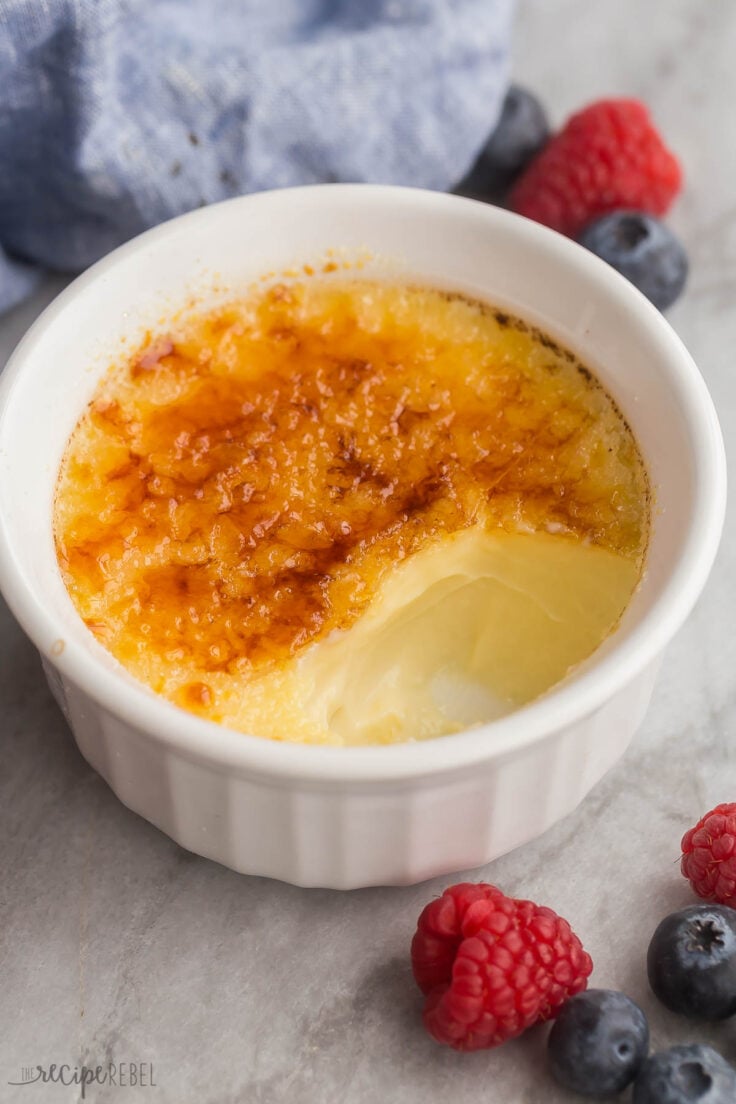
347	512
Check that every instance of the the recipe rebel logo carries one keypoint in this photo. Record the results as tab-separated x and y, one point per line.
121	1075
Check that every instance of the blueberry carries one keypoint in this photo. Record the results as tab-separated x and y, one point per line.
691	962
520	133
643	250
598	1042
686	1075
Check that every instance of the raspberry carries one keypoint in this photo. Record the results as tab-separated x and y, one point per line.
606	157
491	966
709	855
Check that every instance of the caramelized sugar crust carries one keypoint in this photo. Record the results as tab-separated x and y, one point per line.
239	488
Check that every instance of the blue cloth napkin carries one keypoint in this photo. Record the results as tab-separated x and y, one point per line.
117	114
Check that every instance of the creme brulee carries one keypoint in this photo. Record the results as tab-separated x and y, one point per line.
347	512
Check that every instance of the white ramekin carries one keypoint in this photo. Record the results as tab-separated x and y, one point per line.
379	815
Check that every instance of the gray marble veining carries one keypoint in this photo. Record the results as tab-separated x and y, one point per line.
116	945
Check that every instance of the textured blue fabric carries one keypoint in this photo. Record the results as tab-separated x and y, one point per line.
117	114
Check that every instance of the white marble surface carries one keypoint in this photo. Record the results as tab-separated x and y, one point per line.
115	944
